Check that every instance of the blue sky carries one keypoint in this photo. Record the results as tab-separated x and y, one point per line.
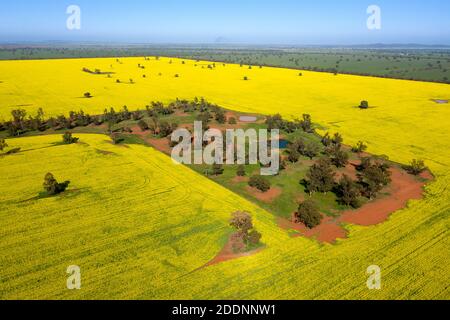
244	21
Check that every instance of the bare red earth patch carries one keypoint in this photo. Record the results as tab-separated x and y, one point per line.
404	187
227	254
268	196
238	179
161	144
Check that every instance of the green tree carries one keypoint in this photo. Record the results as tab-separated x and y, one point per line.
348	192
246	234
311	150
359	147
364	105
220	116
339	158
52	187
3	144
68	139
308	214
306	123
320	177
259	182
373	178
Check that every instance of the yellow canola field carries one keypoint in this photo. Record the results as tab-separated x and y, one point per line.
411	248
132	220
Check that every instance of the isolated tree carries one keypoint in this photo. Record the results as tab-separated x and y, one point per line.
52	187
87	95
320	177
364	105
240	172
245	234
68	139
259	182
3	144
232	120
308	214
348	192
245	78
416	167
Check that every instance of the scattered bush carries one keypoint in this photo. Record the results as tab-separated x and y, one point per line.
232	120
359	147
416	167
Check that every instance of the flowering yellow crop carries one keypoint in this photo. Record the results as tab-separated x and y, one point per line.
140	226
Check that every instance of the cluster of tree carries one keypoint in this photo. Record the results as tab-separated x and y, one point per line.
277	122
52	187
333	149
372	177
21	123
259	182
158	127
246	236
300	147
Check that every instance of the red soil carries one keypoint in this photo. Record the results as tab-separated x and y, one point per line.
349	170
160	144
267	196
328	231
227	254
238	179
404	187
